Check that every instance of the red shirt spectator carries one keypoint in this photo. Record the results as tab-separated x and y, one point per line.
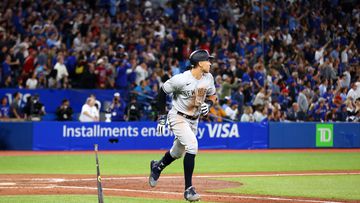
29	66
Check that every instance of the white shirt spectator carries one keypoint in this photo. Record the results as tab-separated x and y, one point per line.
31	83
287	38
141	73
319	56
247	118
89	112
344	56
322	89
258	116
231	113
347	79
354	93
261	99
61	71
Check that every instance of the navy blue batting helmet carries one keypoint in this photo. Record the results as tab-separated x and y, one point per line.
199	55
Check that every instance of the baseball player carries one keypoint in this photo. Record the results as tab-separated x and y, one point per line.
193	93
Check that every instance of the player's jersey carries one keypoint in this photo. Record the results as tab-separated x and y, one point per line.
189	93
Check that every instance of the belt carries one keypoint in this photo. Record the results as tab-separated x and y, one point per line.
187	116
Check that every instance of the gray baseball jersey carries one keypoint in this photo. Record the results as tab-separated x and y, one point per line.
188	94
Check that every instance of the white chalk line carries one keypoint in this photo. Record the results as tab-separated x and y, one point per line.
58	180
177	193
9	183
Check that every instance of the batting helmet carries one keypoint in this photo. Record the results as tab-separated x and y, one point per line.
199	55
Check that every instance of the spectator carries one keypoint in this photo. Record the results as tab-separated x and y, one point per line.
62	73
284	99
133	110
15	110
259	76
226	103
248	115
342	113
260	114
227	86
97	102
142	91
295	114
320	110
344	53
29	63
238	97
263	97
6	70
34	109
89	113
141	72
64	112
101	73
117	108
232	111
217	112
303	101
32	82
354	92
323	87
4	108
88	77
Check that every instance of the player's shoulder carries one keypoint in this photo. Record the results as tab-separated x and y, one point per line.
209	76
181	76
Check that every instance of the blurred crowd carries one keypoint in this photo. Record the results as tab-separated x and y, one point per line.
294	60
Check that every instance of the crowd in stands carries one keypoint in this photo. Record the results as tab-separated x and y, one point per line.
294	60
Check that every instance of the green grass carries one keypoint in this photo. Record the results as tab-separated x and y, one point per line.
330	187
77	199
125	164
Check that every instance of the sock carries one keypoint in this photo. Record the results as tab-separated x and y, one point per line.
165	161
189	164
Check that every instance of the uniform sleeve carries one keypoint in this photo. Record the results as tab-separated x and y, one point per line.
211	90
173	84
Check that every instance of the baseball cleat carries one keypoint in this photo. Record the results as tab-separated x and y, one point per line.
154	174
191	195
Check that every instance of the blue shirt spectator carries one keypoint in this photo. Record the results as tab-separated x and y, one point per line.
320	110
142	91
4	108
117	108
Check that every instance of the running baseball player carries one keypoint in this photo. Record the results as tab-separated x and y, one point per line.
193	93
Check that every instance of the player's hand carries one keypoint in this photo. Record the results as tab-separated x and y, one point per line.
161	124
205	109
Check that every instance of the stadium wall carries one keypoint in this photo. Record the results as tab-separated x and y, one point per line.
142	135
16	136
314	135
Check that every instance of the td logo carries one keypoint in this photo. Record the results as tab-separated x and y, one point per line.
324	135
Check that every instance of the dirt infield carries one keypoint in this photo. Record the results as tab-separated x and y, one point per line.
169	186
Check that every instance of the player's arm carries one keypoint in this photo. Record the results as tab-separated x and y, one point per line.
161	101
168	87
209	101
210	98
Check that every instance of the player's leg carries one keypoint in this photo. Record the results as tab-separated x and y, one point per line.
176	151
156	167
189	162
185	133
